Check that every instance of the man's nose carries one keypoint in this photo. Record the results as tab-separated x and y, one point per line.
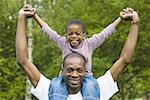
75	74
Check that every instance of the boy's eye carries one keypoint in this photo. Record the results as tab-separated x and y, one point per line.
78	33
70	33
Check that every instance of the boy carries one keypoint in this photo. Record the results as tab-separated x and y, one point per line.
75	39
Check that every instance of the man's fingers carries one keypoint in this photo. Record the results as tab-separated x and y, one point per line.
125	15
27	7
128	10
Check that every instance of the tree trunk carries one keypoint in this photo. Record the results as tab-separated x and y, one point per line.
28	95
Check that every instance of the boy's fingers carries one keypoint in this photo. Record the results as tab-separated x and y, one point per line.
121	13
131	10
33	9
124	10
27	7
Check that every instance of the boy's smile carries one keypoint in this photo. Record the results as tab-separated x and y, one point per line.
75	35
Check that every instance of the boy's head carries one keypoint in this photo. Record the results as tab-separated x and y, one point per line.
75	32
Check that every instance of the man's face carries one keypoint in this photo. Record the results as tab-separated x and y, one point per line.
73	73
75	35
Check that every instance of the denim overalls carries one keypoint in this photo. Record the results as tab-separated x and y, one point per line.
58	89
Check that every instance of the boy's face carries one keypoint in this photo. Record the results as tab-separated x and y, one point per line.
75	35
73	73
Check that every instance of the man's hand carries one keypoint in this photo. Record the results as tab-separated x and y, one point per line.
21	46
129	14
27	11
135	17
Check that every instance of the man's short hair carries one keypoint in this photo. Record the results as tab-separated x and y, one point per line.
73	55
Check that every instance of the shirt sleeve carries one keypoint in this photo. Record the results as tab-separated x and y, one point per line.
107	86
97	39
51	34
41	90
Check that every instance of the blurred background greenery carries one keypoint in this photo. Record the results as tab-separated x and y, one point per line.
96	14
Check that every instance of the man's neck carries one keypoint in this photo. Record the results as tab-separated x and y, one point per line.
73	91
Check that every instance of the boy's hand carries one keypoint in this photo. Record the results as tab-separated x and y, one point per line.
129	14
27	11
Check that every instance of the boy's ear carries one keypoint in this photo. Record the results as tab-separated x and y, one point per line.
66	35
84	35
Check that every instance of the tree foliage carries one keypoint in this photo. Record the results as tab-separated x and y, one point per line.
96	14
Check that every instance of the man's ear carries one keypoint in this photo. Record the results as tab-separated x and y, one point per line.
62	70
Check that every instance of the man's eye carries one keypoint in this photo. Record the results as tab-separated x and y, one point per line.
69	70
80	70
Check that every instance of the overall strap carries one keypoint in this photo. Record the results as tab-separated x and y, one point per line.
58	89
90	89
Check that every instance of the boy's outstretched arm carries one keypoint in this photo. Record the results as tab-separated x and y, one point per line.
38	20
21	49
128	48
116	22
49	32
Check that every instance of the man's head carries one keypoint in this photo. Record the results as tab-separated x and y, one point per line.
73	71
75	32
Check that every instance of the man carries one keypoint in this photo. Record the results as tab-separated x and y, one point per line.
72	85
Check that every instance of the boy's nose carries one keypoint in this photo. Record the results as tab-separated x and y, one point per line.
74	34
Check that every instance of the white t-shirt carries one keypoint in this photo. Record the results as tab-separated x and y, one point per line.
77	96
106	83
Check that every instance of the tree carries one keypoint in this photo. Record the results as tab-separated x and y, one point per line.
133	83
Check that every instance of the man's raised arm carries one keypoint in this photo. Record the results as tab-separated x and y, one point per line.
128	48
21	49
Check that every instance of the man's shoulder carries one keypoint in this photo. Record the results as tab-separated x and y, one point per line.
106	75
